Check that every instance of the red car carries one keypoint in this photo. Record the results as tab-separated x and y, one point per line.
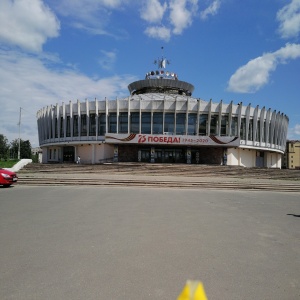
7	177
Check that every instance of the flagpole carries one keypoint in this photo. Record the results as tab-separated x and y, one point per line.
19	141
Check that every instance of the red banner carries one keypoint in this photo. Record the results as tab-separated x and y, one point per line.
188	140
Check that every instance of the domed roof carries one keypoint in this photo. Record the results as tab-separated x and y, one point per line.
161	81
161	85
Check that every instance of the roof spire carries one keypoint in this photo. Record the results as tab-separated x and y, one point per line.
162	62
161	81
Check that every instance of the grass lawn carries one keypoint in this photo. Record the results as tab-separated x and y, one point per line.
8	163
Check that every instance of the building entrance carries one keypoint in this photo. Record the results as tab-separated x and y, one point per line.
199	155
145	155
68	154
170	156
260	159
195	159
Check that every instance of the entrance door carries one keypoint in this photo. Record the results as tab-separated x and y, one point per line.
195	157
169	156
158	156
179	156
68	154
260	159
145	155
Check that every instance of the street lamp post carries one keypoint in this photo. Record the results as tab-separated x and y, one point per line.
19	141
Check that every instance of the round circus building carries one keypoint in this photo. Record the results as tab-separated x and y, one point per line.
160	122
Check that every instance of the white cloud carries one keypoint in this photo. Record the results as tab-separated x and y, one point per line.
212	10
153	11
256	73
289	18
107	59
297	129
37	86
27	24
159	32
182	13
92	16
84	8
294	132
173	17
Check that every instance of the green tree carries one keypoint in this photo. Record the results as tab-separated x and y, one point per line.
4	147
25	148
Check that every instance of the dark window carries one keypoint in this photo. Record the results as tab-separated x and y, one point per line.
263	137
146	122
51	130
75	125
135	122
202	124
101	124
273	136
92	129
56	128
192	124
83	123
123	122
169	123
234	126
224	124
250	132
214	124
157	123
257	137
243	129
47	132
112	122
270	137
180	123
68	129
61	127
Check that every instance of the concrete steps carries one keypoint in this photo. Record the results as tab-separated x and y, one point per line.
159	184
161	176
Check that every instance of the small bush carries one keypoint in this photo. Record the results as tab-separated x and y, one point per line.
8	163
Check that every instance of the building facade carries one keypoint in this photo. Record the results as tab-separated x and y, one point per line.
160	122
291	159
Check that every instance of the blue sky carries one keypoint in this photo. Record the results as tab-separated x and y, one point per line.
56	51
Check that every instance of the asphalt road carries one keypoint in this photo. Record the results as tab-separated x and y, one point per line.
138	243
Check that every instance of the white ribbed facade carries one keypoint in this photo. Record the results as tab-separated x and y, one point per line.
80	128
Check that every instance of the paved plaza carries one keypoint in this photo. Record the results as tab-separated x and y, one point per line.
139	243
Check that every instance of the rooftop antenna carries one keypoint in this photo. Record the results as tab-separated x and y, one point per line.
160	72
162	62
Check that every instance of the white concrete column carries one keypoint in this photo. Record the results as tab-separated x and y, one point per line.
268	125
240	118
255	127
187	115
247	121
71	119
97	117
209	117
128	111
140	113
262	122
118	113
230	118
87	111
220	118
93	153
106	115
198	115
79	118
64	127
